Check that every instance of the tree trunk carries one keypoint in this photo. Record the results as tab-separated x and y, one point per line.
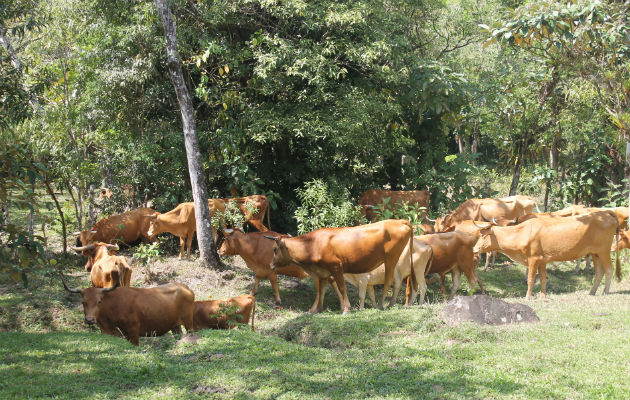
628	168
207	250
63	220
460	144
76	208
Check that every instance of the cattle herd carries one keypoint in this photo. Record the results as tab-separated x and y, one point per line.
379	253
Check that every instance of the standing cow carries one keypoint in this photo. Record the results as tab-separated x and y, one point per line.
538	241
332	252
132	312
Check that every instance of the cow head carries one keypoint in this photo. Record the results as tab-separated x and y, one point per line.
85	237
91	300
229	243
94	252
487	240
155	226
281	256
441	223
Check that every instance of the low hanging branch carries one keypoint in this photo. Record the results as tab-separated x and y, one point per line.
207	247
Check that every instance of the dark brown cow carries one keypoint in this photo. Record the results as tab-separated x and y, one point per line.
127	228
261	203
332	252
257	252
485	209
105	268
538	241
132	312
452	252
370	200
224	314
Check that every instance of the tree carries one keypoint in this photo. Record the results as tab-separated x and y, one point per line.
207	248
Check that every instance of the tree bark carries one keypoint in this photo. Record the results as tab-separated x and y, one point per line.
207	248
63	220
628	169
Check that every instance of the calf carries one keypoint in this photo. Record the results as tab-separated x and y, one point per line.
132	312
105	269
224	314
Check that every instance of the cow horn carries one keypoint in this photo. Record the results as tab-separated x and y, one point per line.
66	286
275	239
109	289
77	233
482	227
494	221
429	219
94	232
112	247
228	231
83	248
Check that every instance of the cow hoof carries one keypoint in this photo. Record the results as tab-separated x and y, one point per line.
278	303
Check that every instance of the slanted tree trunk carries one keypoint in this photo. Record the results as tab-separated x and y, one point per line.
63	220
207	248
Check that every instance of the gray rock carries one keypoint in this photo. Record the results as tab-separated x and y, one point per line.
485	310
188	338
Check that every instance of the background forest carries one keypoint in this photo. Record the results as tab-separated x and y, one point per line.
465	98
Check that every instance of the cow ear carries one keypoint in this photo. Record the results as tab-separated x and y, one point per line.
275	239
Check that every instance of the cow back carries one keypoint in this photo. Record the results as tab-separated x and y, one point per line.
211	314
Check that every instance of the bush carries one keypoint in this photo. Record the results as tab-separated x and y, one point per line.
402	210
322	207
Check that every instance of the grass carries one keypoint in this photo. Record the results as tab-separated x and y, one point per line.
579	349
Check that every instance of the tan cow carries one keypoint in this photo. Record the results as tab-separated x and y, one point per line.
332	252
624	241
257	252
105	269
538	241
181	222
370	200
132	312
452	253
261	203
422	255
485	209
224	314
127	228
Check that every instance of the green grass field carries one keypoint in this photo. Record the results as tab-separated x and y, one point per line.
579	349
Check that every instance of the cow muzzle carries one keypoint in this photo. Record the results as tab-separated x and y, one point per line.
90	320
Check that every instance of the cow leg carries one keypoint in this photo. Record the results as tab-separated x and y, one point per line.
542	271
273	278
370	290
390	266
577	265
341	283
182	242
422	288
397	284
443	281
531	278
457	281
322	292
487	266
313	308
363	283
599	273
177	330
133	335
483	291
255	288
188	244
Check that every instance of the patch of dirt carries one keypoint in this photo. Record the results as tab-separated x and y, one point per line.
208	390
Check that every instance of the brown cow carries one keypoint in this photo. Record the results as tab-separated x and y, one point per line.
624	241
332	252
370	199
224	314
452	252
132	312
127	228
181	222
257	252
538	241
422	255
261	203
106	269
485	209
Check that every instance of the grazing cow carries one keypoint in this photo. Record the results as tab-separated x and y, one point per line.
485	209
257	252
181	222
255	219
452	252
132	312
224	314
332	252
105	269
422	254
538	241
370	199
127	228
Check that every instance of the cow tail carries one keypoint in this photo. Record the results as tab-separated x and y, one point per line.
268	216
414	278
253	313
617	264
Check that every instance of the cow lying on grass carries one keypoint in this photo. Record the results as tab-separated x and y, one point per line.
105	269
224	314
132	312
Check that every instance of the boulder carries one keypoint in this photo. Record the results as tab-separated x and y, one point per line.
485	310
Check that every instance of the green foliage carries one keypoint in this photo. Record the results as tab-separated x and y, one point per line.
230	312
401	210
146	254
232	216
323	206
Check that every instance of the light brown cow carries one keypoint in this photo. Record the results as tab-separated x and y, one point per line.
452	252
127	228
422	255
181	222
261	203
624	241
224	314
370	200
257	252
538	241
132	312
332	252
105	269
485	209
